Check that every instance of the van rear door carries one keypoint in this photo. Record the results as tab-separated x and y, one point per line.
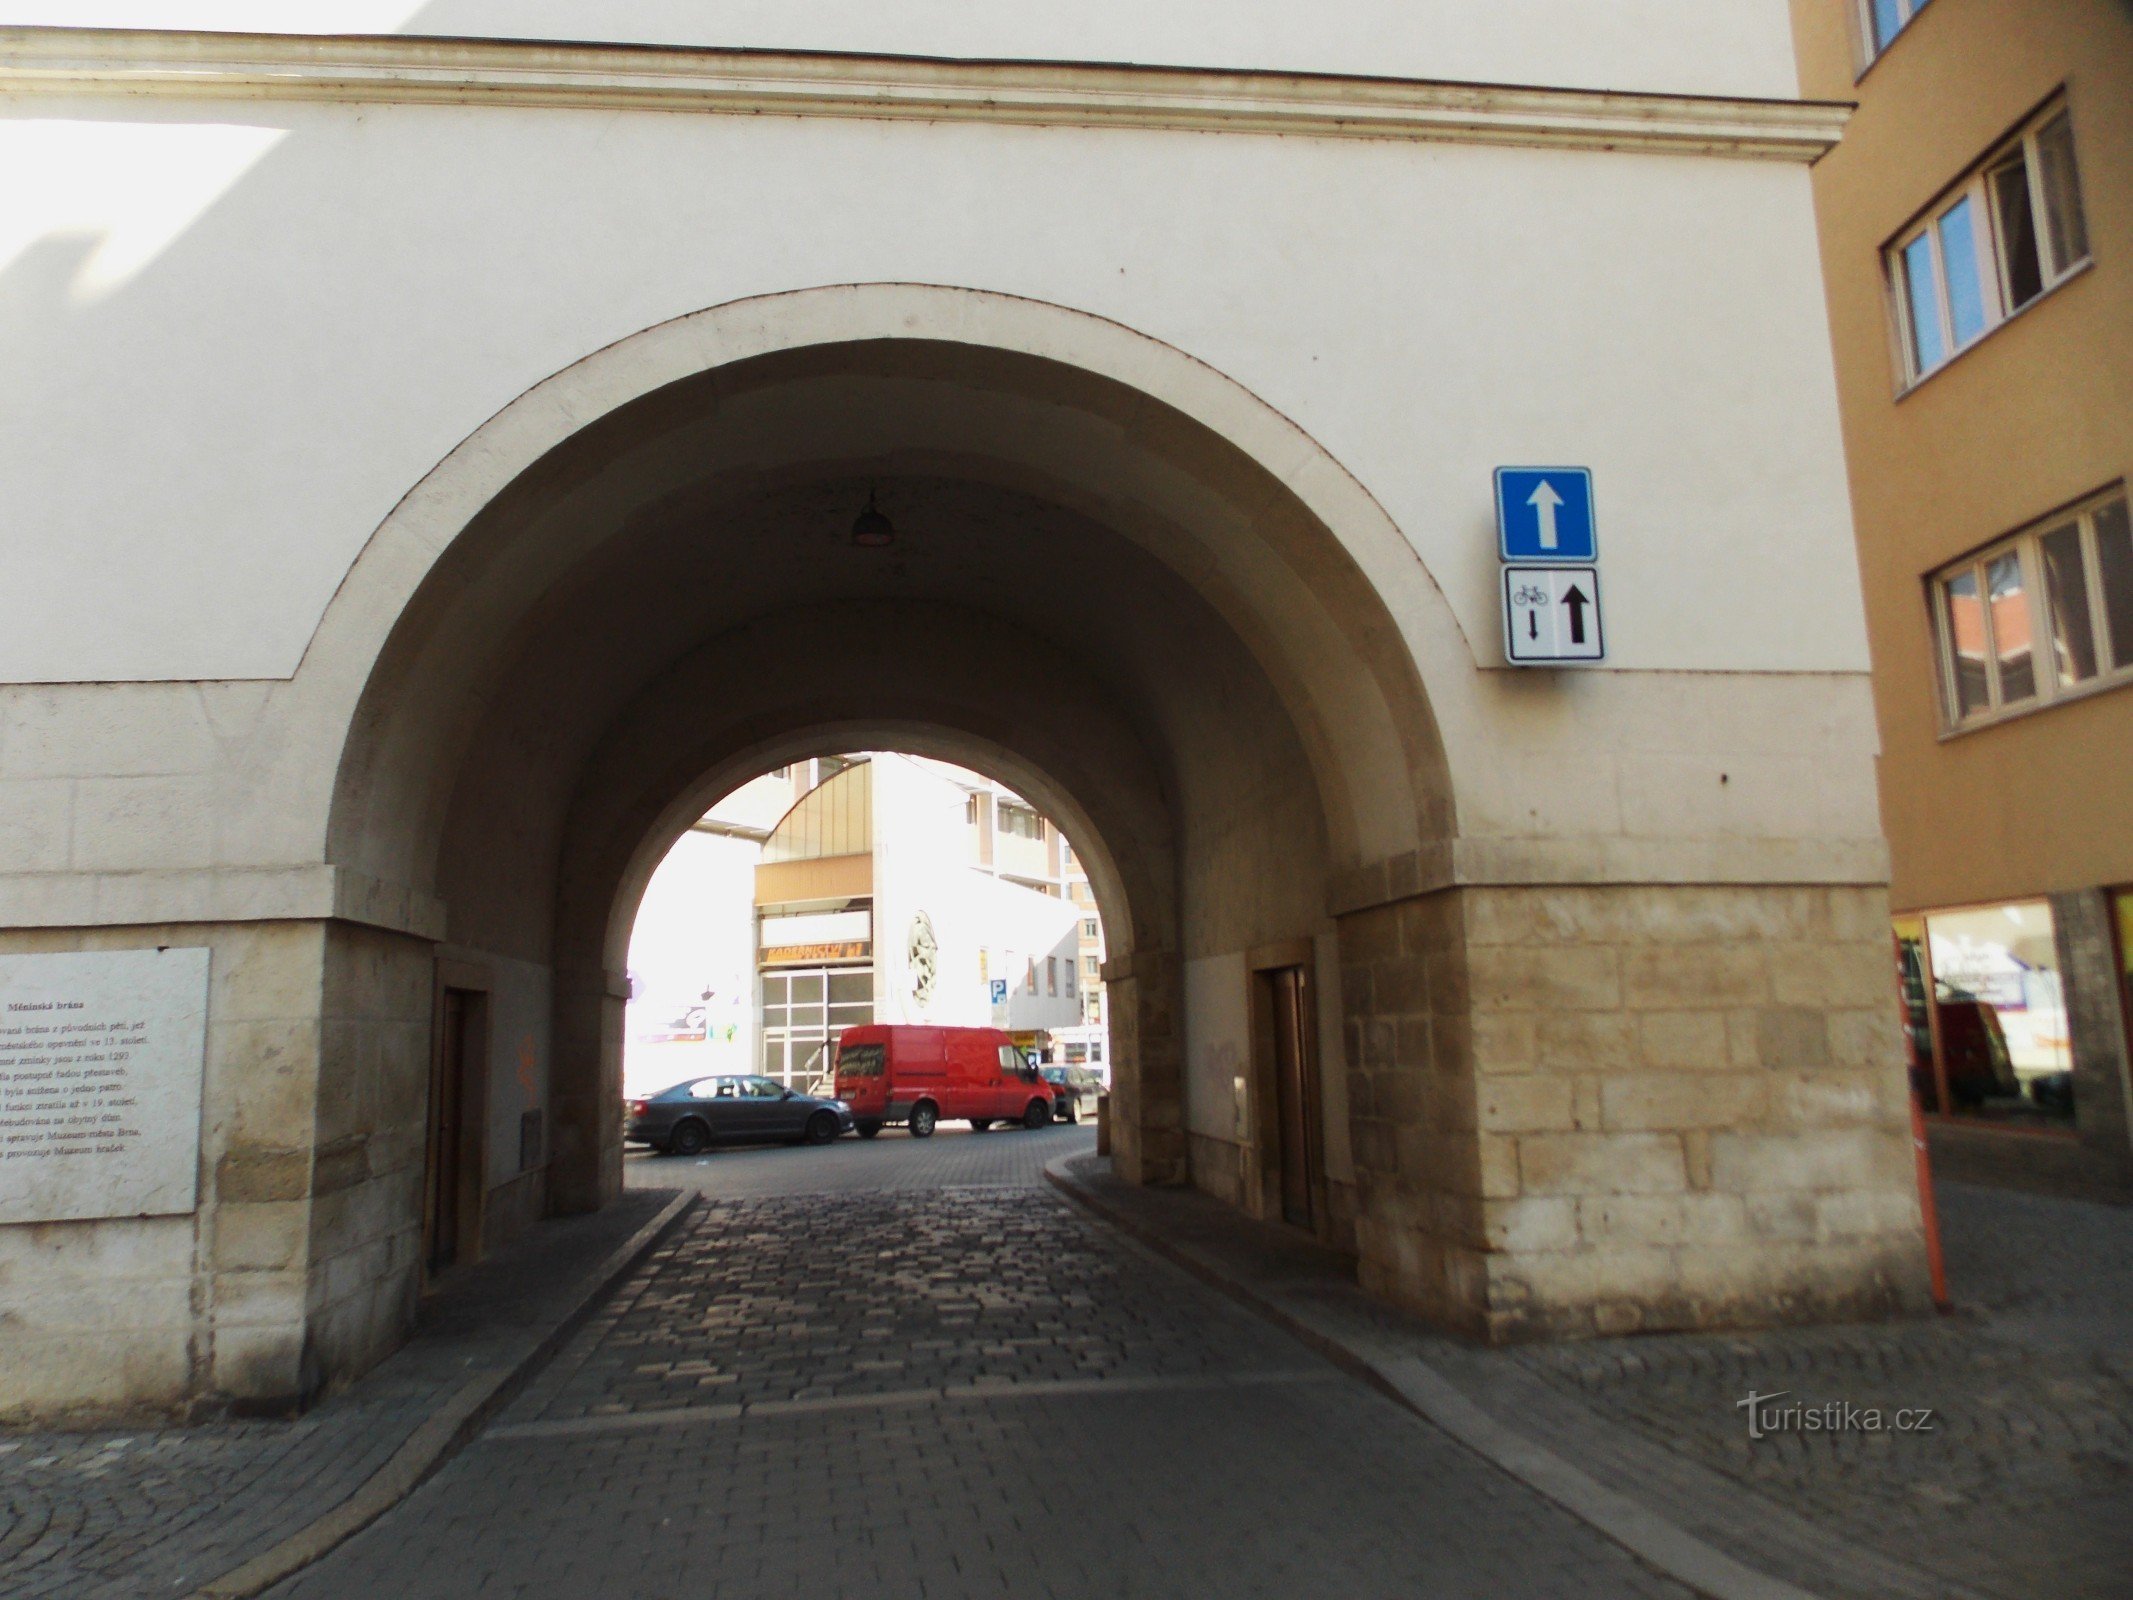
862	1076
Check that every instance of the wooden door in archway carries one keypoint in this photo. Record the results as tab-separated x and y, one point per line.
455	1149
1295	1092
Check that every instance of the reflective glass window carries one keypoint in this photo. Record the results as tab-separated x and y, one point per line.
2067	223
2000	1025
2011	645
1929	346
1964	617
2066	588
1911	987
1958	255
2114	561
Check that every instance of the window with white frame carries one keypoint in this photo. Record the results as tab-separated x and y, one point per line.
2012	229
1881	20
2038	617
1021	821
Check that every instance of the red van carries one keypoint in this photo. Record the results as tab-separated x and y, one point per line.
893	1073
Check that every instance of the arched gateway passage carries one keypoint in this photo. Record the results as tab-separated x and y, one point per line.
1116	582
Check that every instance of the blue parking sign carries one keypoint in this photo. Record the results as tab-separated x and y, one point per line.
1545	514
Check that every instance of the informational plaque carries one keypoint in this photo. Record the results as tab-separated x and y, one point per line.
101	1055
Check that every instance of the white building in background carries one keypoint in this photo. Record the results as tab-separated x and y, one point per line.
902	890
692	995
1088	1044
893	837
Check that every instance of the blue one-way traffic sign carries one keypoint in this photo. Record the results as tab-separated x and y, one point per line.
1545	514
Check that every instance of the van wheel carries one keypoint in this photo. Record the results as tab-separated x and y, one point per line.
821	1127
1037	1115
980	1124
923	1118
689	1138
867	1130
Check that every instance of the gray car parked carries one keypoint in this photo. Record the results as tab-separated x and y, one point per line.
735	1109
1074	1092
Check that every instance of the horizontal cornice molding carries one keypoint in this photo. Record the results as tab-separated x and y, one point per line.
301	893
1608	862
424	70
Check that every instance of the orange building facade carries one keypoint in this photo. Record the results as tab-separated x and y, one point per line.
1977	238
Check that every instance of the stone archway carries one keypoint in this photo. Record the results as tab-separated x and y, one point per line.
1601	1060
1619	1065
634	583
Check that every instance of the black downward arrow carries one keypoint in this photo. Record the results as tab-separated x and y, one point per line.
1533	624
1574	598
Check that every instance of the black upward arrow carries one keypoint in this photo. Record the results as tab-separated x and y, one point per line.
1574	598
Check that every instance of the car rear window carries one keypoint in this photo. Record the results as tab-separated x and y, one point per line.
861	1060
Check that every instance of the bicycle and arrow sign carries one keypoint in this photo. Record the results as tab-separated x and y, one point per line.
1549	542
1551	615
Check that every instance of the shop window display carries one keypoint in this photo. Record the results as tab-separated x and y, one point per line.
1985	1016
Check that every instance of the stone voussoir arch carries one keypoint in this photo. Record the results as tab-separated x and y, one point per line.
385	583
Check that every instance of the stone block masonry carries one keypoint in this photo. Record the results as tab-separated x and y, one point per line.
206	1305
1598	1110
373	1097
298	1260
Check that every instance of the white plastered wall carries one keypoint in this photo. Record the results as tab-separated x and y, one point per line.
1684	46
1424	312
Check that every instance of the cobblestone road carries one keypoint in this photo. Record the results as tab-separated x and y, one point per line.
971	1391
906	1368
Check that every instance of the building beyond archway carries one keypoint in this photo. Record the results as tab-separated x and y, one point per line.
1089	594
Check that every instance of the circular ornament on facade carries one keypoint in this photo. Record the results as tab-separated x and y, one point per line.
924	951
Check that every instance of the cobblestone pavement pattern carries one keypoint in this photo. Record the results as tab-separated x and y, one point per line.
974	1391
2024	1486
843	1378
115	1514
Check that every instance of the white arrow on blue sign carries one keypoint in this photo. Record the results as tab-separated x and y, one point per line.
1545	514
